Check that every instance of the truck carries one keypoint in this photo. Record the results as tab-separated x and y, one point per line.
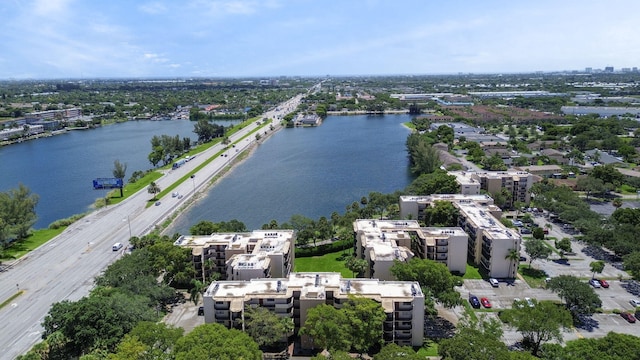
179	163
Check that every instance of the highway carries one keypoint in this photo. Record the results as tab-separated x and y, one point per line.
64	268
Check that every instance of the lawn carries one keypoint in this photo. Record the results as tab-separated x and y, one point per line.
324	263
430	348
472	273
37	238
534	277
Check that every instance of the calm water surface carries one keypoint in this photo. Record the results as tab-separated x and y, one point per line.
60	169
310	171
307	171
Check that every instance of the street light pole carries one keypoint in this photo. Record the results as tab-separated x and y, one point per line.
129	224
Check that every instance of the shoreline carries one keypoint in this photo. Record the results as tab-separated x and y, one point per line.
204	192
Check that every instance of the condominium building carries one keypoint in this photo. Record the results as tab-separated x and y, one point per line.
264	253
516	183
293	296
382	242
489	242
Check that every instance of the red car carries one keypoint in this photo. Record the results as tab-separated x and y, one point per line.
485	302
627	316
603	283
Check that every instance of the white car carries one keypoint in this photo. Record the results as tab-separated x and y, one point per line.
494	282
529	302
634	302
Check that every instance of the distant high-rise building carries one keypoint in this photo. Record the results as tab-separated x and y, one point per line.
588	70
608	69
634	69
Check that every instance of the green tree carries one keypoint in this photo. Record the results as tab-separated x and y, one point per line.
536	249
214	341
365	317
564	245
596	267
153	189
441	214
538	233
265	327
357	266
98	321
196	291
328	327
577	295
590	185
393	351
119	172
424	157
632	264
513	255
613	346
473	344
433	277
17	214
435	182
203	227
541	323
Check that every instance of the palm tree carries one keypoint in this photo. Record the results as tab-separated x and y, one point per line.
153	189
512	255
196	291
617	203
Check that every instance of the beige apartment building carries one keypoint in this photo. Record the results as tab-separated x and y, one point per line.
489	241
241	256
293	296
382	242
517	183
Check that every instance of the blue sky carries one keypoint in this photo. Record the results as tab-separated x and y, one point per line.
44	39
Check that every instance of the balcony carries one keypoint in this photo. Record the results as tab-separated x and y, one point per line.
402	335
442	249
403	306
405	325
221	305
441	257
442	242
404	315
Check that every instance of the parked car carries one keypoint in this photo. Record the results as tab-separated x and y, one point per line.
634	302
529	302
525	230
158	203
522	258
595	283
485	302
494	282
604	283
473	300
201	311
627	316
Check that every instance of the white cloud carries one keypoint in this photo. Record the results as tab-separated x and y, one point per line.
153	8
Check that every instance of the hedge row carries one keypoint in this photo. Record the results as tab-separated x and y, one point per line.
323	249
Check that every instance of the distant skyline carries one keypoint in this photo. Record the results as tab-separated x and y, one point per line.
50	39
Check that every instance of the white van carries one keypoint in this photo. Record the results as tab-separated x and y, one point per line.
116	246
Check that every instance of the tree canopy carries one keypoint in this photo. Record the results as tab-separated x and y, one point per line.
433	277
577	295
538	324
214	341
17	214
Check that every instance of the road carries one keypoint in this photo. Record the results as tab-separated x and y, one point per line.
64	268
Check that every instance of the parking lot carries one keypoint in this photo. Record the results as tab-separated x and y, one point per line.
615	298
